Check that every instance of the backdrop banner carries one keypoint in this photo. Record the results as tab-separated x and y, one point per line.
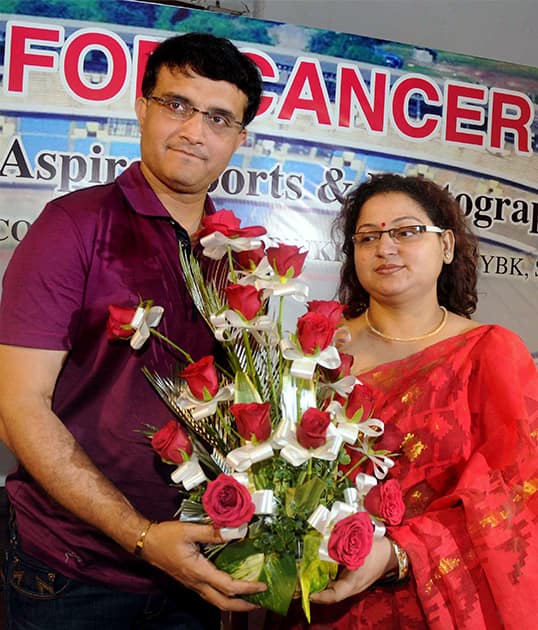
336	107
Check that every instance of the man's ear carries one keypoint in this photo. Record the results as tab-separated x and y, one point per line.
241	138
141	107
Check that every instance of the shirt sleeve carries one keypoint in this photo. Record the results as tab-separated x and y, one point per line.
44	283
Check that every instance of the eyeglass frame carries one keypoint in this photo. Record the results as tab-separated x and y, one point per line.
191	110
419	229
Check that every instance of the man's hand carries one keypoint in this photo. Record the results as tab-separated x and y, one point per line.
44	445
380	560
173	547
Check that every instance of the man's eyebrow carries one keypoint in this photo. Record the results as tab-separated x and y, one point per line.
172	96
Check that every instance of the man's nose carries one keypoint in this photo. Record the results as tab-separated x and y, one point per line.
194	126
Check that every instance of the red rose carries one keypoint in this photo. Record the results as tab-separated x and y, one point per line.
251	258
360	399
385	501
252	419
118	324
201	378
351	540
225	222
312	430
346	361
314	332
330	308
286	260
227	502
172	443
391	440
246	300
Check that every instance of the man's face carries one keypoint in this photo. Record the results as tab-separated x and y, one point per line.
187	156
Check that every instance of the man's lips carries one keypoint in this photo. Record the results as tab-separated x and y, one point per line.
188	152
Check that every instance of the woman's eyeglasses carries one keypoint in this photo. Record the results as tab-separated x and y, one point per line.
180	109
404	234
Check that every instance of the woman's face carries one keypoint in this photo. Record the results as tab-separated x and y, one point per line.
397	270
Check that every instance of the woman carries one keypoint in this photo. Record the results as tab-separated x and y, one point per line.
460	404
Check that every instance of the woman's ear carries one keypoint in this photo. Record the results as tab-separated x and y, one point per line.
447	243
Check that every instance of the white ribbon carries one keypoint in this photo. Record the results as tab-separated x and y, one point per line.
348	431
229	324
344	386
292	288
379	528
303	366
232	533
264	277
355	495
285	438
263	271
216	244
203	408
144	319
373	427
242	458
382	464
189	473
264	502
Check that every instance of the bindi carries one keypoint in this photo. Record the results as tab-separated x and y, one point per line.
383	224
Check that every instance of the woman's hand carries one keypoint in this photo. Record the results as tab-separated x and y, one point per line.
380	560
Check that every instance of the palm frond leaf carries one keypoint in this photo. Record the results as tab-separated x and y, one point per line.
211	440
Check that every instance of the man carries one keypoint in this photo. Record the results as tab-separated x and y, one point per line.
89	492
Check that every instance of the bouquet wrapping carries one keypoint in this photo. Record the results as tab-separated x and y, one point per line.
274	443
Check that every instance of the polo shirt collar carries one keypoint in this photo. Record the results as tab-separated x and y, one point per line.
141	196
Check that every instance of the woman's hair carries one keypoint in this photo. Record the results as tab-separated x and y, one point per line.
456	285
212	57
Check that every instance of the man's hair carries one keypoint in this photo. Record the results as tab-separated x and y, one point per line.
456	285
212	57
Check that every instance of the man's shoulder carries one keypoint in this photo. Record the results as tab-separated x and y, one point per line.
87	199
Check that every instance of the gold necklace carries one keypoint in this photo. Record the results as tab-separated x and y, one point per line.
444	320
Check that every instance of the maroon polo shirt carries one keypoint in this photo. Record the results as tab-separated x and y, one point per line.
111	244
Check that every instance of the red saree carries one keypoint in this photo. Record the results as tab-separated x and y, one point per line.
465	413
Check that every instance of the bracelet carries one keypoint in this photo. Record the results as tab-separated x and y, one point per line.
397	575
139	546
403	560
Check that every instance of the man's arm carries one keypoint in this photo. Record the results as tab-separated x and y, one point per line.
57	462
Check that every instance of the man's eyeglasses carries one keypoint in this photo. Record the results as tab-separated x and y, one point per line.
404	234
180	109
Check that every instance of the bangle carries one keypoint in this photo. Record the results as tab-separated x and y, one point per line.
401	572
139	546
403	560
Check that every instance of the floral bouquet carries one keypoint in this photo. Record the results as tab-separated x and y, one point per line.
274	445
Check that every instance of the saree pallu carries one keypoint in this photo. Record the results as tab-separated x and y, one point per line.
463	414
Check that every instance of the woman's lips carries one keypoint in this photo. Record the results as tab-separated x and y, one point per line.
388	269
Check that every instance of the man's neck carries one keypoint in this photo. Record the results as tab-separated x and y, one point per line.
185	208
188	215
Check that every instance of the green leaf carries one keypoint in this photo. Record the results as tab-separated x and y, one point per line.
314	574
308	495
245	392
241	560
280	574
278	571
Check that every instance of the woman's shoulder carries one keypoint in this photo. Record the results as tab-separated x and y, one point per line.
497	337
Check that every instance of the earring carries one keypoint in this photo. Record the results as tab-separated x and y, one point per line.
447	254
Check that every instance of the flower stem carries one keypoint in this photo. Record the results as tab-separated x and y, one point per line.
233	275
171	344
